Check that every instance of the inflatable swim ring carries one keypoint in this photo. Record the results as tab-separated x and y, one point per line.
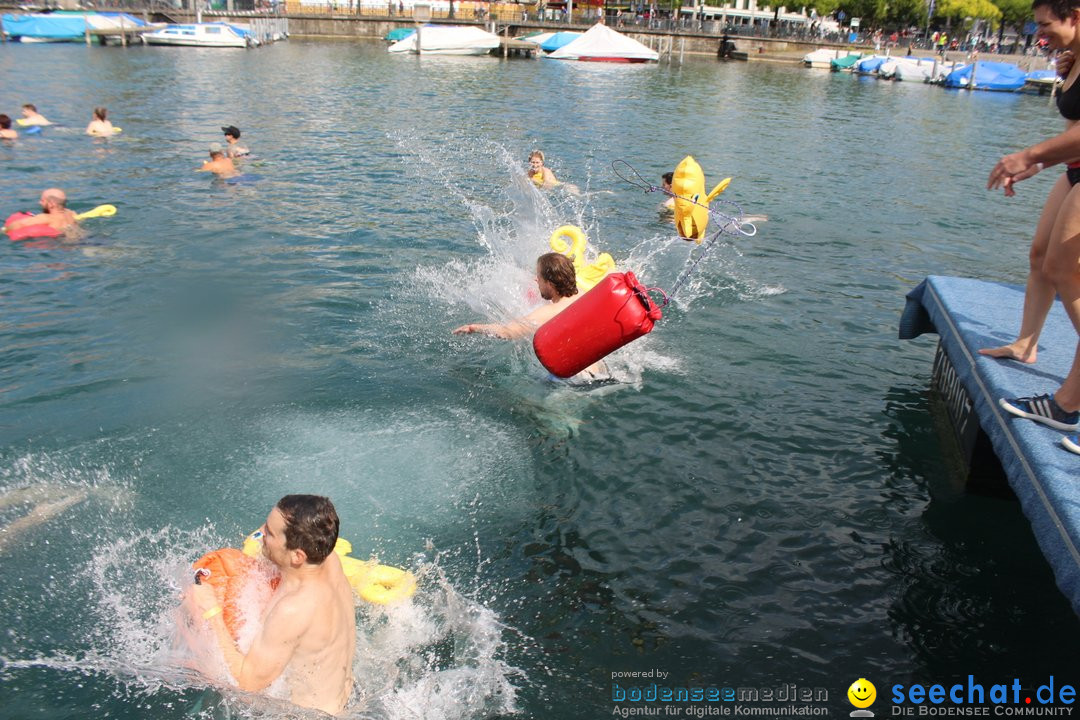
691	202
29	231
587	274
26	122
228	570
33	130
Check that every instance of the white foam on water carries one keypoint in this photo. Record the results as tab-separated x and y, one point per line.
389	472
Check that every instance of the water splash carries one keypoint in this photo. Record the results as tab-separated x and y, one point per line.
441	655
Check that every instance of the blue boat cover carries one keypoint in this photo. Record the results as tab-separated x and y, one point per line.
870	64
988	76
971	314
56	27
129	19
399	34
1042	75
558	40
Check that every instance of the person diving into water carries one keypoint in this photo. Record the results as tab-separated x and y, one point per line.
557	281
308	630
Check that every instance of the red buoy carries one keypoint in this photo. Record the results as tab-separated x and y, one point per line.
43	229
616	311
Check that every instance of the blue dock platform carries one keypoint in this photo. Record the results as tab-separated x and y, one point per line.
971	314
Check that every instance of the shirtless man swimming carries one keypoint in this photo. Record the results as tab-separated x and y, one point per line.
218	163
54	212
557	281
30	116
308	632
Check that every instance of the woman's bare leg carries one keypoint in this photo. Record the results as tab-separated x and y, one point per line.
1039	292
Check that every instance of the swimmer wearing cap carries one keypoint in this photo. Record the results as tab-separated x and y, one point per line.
218	163
233	148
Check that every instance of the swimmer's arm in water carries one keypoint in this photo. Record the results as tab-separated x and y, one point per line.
520	328
510	331
272	649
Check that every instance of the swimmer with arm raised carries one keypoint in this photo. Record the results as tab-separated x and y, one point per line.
308	632
557	281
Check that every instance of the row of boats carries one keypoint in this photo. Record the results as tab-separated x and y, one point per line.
73	26
598	44
978	75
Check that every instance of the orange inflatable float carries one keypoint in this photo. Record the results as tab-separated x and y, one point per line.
229	571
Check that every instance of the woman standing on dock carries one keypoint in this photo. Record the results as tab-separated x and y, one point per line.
1055	249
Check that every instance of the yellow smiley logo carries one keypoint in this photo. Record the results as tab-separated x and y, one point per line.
862	693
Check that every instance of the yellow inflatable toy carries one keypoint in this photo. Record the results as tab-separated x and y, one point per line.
691	202
587	275
27	122
376	584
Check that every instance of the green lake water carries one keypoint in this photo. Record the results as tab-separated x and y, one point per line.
764	498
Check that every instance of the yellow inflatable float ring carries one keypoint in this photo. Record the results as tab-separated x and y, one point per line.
569	240
374	583
691	202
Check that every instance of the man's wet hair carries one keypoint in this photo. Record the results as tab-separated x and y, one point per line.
100	113
1060	8
668	177
311	525
558	270
30	107
5	122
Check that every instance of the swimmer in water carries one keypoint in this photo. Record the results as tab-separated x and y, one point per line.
32	117
54	213
308	632
6	133
219	164
541	175
100	125
557	280
233	148
665	185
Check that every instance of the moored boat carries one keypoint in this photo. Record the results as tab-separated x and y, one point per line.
448	40
216	34
602	44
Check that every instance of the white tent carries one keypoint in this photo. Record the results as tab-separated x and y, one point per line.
602	44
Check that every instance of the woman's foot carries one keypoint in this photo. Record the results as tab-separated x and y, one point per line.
1012	351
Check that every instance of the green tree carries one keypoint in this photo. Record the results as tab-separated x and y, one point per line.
905	13
824	7
1014	12
958	11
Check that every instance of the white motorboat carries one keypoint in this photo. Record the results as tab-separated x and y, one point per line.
201	35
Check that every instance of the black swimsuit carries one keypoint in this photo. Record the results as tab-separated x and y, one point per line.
1068	104
1068	101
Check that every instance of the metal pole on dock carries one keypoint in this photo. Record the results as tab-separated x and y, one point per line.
3	37
123	32
682	48
86	30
